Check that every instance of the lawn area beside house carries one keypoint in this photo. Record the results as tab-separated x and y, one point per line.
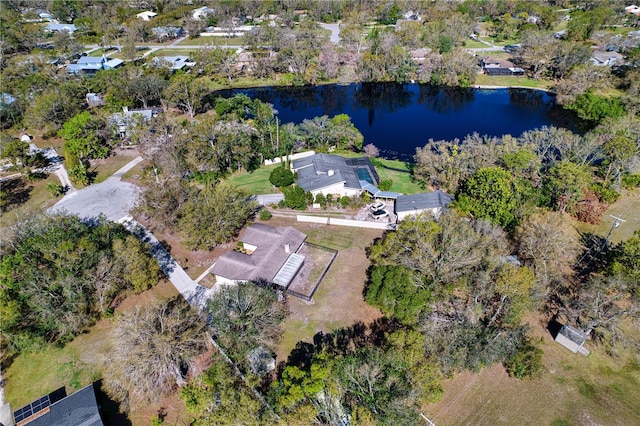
106	167
509	81
400	173
338	302
255	182
573	390
207	41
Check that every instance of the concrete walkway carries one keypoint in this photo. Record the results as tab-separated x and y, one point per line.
194	293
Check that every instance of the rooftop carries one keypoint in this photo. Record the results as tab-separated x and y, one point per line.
423	201
322	170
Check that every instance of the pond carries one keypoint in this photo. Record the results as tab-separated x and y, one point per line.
398	118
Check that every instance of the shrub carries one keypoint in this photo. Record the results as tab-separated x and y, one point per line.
322	200
631	181
281	177
295	198
385	184
526	363
345	201
264	214
55	189
606	194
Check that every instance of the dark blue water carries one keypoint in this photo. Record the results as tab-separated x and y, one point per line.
399	118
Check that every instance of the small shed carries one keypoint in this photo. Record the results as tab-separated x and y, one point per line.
572	339
415	204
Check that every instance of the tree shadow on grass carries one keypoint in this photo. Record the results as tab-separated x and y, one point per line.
14	192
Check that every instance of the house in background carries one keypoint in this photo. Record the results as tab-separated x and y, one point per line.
146	16
415	204
266	253
93	64
94	100
202	13
60	28
419	55
129	119
174	63
492	67
331	174
167	32
606	59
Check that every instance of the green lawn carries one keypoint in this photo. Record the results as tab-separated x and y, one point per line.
256	182
399	172
172	52
627	208
472	44
485	80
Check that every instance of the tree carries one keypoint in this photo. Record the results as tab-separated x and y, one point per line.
398	292
55	106
246	316
15	150
59	275
566	183
186	92
344	133
281	177
214	215
83	137
536	52
65	10
153	346
371	150
526	363
142	271
489	194
443	251
295	197
594	108
549	244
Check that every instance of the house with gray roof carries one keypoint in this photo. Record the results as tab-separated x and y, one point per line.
128	119
92	64
58	409
265	253
331	174
174	63
60	28
415	204
606	59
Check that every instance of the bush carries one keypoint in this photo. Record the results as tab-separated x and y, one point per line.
322	200
606	194
631	181
295	198
526	363
55	189
385	184
264	214
281	177
345	201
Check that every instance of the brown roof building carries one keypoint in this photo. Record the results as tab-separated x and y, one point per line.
266	253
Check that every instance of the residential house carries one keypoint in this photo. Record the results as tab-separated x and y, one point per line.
331	174
606	59
60	28
492	67
411	16
572	339
633	10
245	61
415	204
202	13
267	253
147	15
128	119
92	64
167	32
58	409
174	63
6	99
419	55
94	100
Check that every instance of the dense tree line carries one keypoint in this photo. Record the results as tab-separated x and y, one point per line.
60	274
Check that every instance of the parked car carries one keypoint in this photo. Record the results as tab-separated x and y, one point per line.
511	48
379	214
377	205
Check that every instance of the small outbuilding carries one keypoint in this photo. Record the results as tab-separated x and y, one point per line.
147	15
415	204
572	339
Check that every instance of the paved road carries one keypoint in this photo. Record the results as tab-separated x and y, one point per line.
335	31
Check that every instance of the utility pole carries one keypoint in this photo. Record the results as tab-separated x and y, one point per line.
616	224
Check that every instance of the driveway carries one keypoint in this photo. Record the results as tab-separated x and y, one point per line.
112	198
335	31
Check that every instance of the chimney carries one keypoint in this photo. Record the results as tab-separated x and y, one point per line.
287	248
330	172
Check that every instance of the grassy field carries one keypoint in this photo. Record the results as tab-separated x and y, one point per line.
338	302
212	41
573	390
483	80
108	166
256	182
627	208
400	173
38	198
